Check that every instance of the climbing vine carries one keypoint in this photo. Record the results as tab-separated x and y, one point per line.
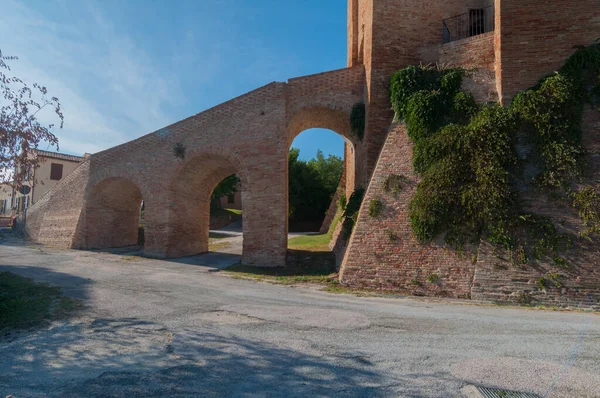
470	157
179	150
350	213
375	207
357	120
587	203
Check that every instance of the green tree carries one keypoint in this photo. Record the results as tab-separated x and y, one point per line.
228	186
329	170
312	185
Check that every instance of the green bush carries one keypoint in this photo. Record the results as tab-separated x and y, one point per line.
553	111
587	203
394	183
466	188
375	207
467	159
357	120
350	214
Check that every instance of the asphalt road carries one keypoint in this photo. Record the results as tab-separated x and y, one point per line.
155	328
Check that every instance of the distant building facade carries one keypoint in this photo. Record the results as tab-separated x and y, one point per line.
233	201
52	168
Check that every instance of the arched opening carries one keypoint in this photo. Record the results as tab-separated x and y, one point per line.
190	203
226	226
328	130
113	214
315	175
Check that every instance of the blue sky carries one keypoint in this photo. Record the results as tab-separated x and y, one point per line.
125	68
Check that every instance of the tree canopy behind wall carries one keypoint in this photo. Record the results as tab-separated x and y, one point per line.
312	185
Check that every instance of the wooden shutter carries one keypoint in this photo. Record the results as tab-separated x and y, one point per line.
56	170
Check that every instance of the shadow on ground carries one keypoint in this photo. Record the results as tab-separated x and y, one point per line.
211	260
71	285
129	357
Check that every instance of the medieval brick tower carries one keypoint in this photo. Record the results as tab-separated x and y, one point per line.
508	45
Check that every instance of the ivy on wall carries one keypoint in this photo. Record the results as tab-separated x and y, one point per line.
468	159
350	212
357	120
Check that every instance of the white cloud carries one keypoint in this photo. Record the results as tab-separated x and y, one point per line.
109	90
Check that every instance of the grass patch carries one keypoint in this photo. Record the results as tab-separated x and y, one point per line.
318	242
215	246
312	243
25	303
304	266
226	212
218	235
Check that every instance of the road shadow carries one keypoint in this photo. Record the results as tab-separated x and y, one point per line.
128	357
71	285
211	260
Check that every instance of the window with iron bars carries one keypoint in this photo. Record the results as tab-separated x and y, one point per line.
475	22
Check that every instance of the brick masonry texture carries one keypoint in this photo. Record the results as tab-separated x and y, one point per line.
97	205
534	38
250	135
531	40
383	252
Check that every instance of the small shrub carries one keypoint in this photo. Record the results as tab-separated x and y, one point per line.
521	256
415	282
393	183
357	120
392	236
433	278
524	298
561	262
542	282
342	201
179	150
350	214
555	277
587	204
375	207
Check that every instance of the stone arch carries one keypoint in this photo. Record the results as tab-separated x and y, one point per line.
189	200
112	213
332	119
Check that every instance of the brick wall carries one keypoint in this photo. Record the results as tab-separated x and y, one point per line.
536	37
474	52
248	135
386	36
374	260
531	40
402	264
55	218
